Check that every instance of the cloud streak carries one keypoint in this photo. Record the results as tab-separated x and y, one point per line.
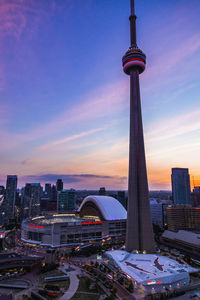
101	102
69	138
172	127
93	181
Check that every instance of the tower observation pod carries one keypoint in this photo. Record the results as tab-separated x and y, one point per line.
139	233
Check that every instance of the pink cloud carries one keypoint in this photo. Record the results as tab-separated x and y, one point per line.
163	68
19	15
16	18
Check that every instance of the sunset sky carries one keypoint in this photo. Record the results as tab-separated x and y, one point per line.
64	99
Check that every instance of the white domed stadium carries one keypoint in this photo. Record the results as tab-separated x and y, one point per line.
98	218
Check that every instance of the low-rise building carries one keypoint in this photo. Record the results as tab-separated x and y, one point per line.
183	217
155	273
184	240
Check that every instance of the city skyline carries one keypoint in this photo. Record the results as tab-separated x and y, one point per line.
51	126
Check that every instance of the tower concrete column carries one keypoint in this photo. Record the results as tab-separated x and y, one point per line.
139	233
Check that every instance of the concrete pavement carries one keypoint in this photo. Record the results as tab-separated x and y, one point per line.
74	282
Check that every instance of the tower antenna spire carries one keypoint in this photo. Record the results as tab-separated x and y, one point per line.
132	19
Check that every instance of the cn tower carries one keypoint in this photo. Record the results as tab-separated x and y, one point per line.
139	233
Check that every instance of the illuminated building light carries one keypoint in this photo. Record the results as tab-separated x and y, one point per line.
90	223
36	226
91	217
129	277
153	282
40	217
134	59
64	215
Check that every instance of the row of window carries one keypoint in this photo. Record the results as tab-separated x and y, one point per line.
66	237
35	236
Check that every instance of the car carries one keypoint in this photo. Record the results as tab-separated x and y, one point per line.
109	276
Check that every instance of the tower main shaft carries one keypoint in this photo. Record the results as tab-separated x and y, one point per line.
139	233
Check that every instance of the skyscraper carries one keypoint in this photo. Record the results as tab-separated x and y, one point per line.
11	189
121	197
26	200
59	185
180	186
102	191
48	190
139	233
36	192
66	200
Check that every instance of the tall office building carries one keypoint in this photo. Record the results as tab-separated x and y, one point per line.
139	232
102	191
26	200
121	197
66	201
2	205
196	196
157	213
11	189
53	193
59	185
48	190
2	190
183	217
31	196
180	186
36	192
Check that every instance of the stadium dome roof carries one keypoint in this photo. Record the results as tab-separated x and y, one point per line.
110	208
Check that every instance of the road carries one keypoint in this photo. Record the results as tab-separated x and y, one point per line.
74	281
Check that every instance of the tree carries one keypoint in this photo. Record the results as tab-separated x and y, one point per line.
73	252
156	229
131	288
111	297
121	280
114	291
96	264
88	281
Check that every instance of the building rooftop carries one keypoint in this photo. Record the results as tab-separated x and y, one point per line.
149	269
183	235
58	218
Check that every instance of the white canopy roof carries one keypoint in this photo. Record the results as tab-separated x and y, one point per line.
150	269
110	207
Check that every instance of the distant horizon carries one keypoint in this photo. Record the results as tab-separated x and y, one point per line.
74	181
89	181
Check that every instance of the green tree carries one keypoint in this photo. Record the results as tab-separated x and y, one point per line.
131	288
87	282
96	264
